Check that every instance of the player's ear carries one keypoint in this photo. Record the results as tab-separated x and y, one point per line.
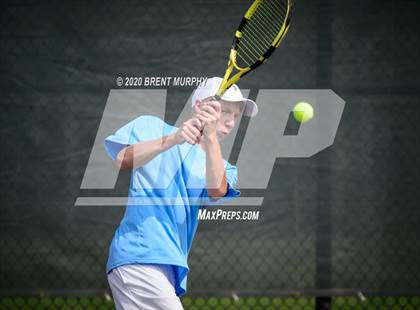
196	106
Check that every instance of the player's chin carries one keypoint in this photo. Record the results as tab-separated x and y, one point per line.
222	135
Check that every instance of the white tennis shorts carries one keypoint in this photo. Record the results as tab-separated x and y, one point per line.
145	287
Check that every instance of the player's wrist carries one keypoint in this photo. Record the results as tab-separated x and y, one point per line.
210	138
172	140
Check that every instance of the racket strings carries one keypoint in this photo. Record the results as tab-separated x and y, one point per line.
261	30
260	21
252	42
253	30
252	45
267	12
251	48
280	9
271	15
256	49
262	40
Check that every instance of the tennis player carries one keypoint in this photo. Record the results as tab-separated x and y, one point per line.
174	172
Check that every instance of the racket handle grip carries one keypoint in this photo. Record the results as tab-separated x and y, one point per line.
212	98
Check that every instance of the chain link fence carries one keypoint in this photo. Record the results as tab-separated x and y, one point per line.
341	224
213	303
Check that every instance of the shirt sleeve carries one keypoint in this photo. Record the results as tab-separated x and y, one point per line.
231	193
232	179
129	134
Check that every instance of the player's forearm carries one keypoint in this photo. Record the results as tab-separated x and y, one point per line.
141	153
215	170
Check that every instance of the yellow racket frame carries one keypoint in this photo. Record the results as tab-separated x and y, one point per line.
232	64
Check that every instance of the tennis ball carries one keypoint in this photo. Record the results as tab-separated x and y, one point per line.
303	112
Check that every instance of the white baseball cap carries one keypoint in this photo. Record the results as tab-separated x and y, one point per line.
210	87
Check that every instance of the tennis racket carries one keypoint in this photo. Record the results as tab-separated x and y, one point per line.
259	34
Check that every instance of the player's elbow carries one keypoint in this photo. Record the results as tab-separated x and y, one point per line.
216	194
122	164
124	160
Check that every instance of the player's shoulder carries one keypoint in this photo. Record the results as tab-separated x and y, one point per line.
149	119
148	122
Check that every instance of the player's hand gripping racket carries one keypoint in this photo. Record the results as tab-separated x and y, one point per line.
259	34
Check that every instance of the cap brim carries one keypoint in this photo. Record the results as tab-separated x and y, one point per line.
251	108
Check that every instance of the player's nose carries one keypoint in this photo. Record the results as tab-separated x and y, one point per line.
230	124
